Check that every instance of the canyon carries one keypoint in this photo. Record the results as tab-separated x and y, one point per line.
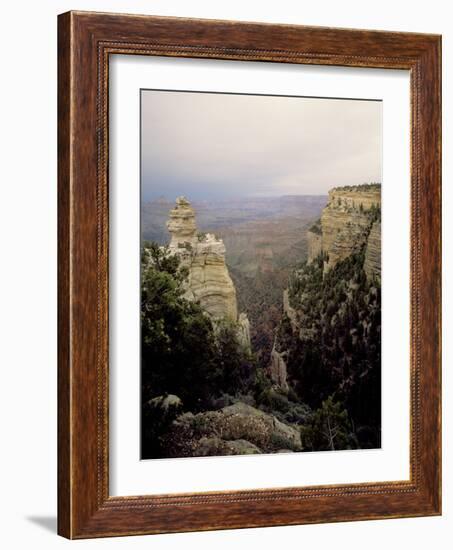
264	238
259	233
270	325
349	223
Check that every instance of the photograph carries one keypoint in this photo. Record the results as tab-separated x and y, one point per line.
260	274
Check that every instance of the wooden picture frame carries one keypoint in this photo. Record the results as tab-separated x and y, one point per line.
85	42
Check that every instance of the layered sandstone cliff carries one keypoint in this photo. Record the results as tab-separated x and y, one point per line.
209	282
314	241
372	264
345	223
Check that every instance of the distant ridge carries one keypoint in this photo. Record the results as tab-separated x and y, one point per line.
214	215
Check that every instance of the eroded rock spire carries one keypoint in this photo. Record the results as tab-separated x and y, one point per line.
209	282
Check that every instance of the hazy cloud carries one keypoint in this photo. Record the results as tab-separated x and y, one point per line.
210	146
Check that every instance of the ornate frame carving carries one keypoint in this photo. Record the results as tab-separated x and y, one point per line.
85	41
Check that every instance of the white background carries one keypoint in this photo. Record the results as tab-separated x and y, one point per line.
129	475
28	275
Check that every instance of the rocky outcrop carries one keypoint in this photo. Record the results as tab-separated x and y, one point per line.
216	446
290	311
314	244
209	282
343	235
165	403
244	330
277	369
236	429
181	224
345	223
372	265
357	197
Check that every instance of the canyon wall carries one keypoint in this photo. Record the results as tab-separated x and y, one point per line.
372	265
314	241
345	224
349	222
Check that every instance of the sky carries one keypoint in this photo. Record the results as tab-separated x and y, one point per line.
218	146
